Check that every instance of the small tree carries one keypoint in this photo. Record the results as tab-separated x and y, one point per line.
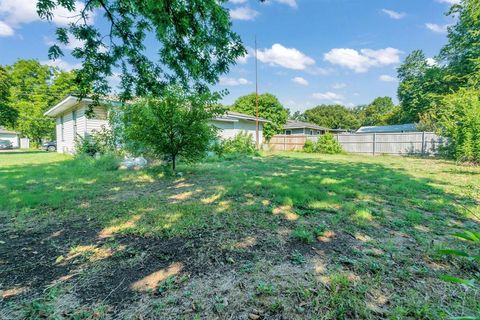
176	125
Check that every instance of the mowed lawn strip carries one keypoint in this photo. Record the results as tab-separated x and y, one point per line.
293	235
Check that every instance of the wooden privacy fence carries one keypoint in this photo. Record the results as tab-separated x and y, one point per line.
369	143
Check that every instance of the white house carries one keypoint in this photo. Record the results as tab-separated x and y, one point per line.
11	136
71	121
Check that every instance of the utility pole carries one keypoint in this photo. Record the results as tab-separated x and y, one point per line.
257	144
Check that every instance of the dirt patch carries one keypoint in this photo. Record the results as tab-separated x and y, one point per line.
75	257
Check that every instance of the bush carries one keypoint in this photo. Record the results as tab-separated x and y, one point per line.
460	122
98	142
309	146
242	143
325	144
328	144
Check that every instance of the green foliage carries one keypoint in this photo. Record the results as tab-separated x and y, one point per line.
302	234
194	41
309	146
8	115
332	116
460	121
473	238
463	48
175	125
34	88
268	107
380	112
326	144
242	143
421	86
98	142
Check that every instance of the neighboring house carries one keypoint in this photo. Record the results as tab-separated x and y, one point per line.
71	121
232	123
294	127
11	136
409	127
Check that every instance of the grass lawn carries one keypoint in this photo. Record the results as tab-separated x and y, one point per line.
286	236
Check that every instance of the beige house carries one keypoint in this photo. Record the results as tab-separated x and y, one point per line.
71	121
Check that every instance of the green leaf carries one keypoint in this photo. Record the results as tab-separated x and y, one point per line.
452	279
468	235
452	252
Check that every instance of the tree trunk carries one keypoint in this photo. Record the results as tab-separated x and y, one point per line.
173	162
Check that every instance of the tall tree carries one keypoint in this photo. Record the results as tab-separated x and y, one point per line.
34	89
8	115
421	86
268	107
333	116
378	113
462	51
193	38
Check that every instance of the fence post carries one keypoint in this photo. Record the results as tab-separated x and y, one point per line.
423	143
374	142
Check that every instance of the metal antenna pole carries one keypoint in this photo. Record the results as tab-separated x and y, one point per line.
256	98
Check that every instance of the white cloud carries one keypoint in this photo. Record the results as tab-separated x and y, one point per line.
329	96
237	1
231	82
394	14
17	12
291	3
289	58
364	60
449	1
62	64
437	28
300	81
243	13
5	30
387	78
432	62
339	85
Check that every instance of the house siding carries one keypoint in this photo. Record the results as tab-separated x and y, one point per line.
84	126
12	137
229	130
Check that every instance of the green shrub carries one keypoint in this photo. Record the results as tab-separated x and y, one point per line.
242	143
460	122
98	142
326	143
309	146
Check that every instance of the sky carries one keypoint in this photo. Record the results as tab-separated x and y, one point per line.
310	52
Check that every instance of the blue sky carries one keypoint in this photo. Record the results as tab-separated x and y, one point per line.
310	51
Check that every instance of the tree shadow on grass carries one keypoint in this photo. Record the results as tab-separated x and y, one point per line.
121	234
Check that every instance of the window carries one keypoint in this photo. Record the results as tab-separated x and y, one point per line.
288	132
74	117
61	128
311	132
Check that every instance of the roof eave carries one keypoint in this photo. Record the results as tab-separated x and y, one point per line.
64	105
